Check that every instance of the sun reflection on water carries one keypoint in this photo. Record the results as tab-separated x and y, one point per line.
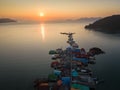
42	31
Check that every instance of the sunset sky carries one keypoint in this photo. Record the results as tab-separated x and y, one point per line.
58	9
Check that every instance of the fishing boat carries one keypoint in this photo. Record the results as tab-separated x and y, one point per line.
70	68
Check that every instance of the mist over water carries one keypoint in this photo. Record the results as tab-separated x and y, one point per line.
24	53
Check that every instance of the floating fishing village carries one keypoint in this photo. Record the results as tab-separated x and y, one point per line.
71	69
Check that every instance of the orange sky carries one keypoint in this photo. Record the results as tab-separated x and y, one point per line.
58	9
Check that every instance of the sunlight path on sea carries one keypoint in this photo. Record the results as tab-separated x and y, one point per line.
42	28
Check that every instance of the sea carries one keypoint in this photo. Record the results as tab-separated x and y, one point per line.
24	53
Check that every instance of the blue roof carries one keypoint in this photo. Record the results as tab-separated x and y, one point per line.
83	60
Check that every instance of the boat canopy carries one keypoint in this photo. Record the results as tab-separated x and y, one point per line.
76	50
74	73
57	72
83	60
66	81
52	77
80	87
52	52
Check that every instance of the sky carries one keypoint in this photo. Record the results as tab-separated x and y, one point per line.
58	9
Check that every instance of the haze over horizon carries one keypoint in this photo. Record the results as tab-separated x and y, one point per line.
57	9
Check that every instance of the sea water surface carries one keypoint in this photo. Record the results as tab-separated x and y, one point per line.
24	53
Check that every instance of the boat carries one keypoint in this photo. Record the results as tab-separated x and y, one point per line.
70	68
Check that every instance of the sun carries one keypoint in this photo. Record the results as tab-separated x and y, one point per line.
41	14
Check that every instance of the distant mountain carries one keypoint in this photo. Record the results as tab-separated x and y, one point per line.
110	24
92	19
6	20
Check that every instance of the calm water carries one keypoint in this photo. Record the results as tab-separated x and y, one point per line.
24	53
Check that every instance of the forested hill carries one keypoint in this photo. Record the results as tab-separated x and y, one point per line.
110	24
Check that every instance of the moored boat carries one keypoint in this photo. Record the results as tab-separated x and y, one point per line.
70	68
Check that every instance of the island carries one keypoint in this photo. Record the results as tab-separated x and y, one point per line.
110	24
6	20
